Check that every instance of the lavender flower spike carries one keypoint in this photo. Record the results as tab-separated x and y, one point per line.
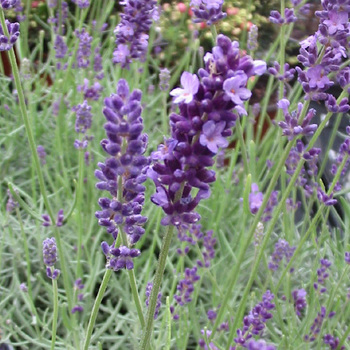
7	4
50	257
125	165
132	31
7	42
208	104
209	11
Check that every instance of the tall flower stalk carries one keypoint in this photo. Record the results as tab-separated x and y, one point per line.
209	106
122	175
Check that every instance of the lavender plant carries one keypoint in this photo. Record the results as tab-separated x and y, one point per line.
243	178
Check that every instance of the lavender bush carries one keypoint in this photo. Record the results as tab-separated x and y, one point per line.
196	197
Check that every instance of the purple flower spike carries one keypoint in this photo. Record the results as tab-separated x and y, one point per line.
7	42
209	11
83	4
125	145
185	287
207	113
299	296
255	199
42	154
7	4
254	322
49	251
211	136
132	31
347	257
282	250
260	345
190	85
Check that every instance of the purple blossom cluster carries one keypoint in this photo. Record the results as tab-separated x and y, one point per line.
282	250
98	68
333	342
50	257
61	49
192	234
63	12
208	11
84	48
260	345
333	33
11	203
289	16
6	42
306	175
254	322
252	43
299	297
132	31
122	174
185	287
42	154
91	92
159	298
119	258
322	275
47	220
83	123
291	126
83	4
78	286
286	75
7	4
202	343
255	198
316	326
209	107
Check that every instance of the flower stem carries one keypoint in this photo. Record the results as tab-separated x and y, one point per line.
55	313
145	340
80	188
95	308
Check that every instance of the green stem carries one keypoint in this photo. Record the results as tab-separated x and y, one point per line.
80	189
136	297
243	146
55	313
95	308
145	340
214	33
